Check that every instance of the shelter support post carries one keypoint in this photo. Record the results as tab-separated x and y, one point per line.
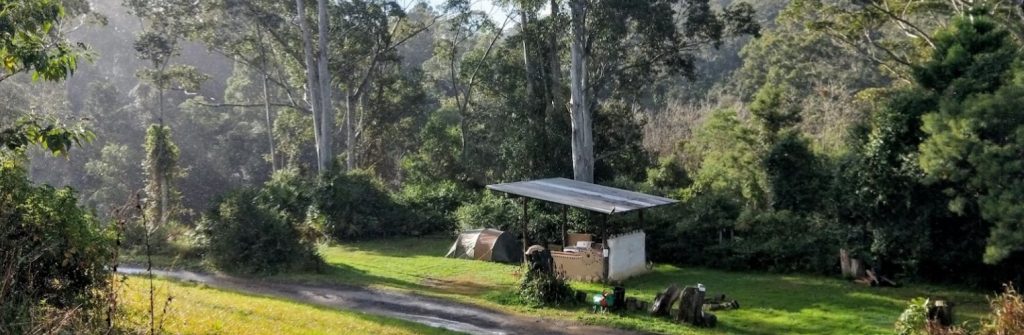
604	246
565	220
640	218
526	224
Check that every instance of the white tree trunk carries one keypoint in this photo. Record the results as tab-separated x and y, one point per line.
557	101
527	65
326	109
350	135
312	82
582	132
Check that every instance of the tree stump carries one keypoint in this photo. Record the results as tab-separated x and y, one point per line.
844	264
857	268
940	311
691	303
663	301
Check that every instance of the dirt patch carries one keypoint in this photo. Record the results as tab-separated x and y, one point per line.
431	311
456	286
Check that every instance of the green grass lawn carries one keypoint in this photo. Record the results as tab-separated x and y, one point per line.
771	303
197	309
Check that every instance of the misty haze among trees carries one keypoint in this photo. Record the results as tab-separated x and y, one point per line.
245	135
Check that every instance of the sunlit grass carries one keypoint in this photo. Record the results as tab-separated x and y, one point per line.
197	309
771	303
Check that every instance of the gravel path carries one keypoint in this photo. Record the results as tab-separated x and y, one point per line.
436	312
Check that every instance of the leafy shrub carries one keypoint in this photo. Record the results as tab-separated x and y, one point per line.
669	174
539	288
913	319
434	205
52	253
292	194
244	235
783	241
490	210
357	205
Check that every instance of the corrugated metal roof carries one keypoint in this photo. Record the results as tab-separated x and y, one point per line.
602	199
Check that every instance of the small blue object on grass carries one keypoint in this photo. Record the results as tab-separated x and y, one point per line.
603	301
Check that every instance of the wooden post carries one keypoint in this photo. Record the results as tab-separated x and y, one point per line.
526	225
640	215
604	246
565	219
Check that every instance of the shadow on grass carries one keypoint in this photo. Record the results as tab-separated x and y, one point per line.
428	245
344	274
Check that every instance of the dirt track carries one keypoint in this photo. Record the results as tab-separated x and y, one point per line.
430	311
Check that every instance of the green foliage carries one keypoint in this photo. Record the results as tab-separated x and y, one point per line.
490	211
975	135
245	235
913	319
728	152
774	109
971	56
796	177
357	205
434	205
539	288
161	165
669	174
879	195
30	40
770	240
439	153
53	254
51	136
618	140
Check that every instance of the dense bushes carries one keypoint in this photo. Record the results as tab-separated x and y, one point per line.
53	255
489	211
275	228
356	205
245	235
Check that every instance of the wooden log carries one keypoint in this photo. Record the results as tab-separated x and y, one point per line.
631	304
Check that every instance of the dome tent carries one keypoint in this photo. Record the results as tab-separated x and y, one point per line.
487	245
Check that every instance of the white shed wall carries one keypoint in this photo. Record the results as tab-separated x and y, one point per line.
627	256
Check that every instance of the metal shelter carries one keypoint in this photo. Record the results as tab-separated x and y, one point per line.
571	193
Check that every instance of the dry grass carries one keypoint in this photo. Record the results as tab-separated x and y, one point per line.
1007	314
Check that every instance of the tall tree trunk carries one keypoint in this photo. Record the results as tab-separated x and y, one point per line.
326	109
582	132
312	82
270	124
557	100
534	126
266	101
350	135
523	22
162	182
